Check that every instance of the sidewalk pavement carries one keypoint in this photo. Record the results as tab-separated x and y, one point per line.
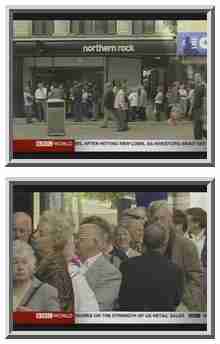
92	130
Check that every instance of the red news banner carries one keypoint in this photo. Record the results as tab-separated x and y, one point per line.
43	318
47	146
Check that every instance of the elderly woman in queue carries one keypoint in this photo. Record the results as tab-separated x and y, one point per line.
29	293
54	232
123	241
134	221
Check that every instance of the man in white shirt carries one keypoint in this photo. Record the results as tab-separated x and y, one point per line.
102	276
133	104
40	99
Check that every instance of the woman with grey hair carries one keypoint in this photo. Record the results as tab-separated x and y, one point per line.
29	293
55	230
123	241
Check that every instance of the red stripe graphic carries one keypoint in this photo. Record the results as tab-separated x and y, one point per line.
31	146
44	318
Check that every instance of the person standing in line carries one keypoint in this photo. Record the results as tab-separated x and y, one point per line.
197	107
109	98
40	99
183	252
95	102
190	98
28	104
133	104
123	242
135	228
197	227
84	102
158	103
121	107
102	276
151	282
169	100
56	92
76	102
183	100
54	232
142	103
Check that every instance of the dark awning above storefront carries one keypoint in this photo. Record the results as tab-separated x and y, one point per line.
95	48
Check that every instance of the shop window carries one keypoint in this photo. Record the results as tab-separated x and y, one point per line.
143	26
149	26
88	27
42	27
101	26
137	27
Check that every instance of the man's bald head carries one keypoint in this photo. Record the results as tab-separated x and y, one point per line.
155	238
22	226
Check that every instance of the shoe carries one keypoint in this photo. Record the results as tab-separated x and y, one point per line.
103	126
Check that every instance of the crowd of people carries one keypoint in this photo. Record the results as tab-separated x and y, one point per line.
81	100
153	260
122	104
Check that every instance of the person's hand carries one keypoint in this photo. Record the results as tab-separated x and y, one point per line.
24	309
73	269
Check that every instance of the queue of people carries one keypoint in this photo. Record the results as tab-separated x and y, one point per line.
122	104
153	260
81	100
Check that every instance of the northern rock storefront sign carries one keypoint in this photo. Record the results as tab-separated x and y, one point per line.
95	48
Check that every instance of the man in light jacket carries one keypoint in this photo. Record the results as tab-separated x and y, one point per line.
102	276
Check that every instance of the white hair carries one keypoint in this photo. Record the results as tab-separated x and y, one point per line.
60	227
22	249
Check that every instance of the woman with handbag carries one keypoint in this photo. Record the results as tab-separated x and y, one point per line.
29	293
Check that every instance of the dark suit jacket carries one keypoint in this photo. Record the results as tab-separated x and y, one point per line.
150	283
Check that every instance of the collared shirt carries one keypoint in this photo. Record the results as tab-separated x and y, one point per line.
91	260
41	93
85	300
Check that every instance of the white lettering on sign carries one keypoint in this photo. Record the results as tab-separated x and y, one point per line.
100	48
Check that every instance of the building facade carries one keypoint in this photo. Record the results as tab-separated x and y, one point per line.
90	50
100	51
